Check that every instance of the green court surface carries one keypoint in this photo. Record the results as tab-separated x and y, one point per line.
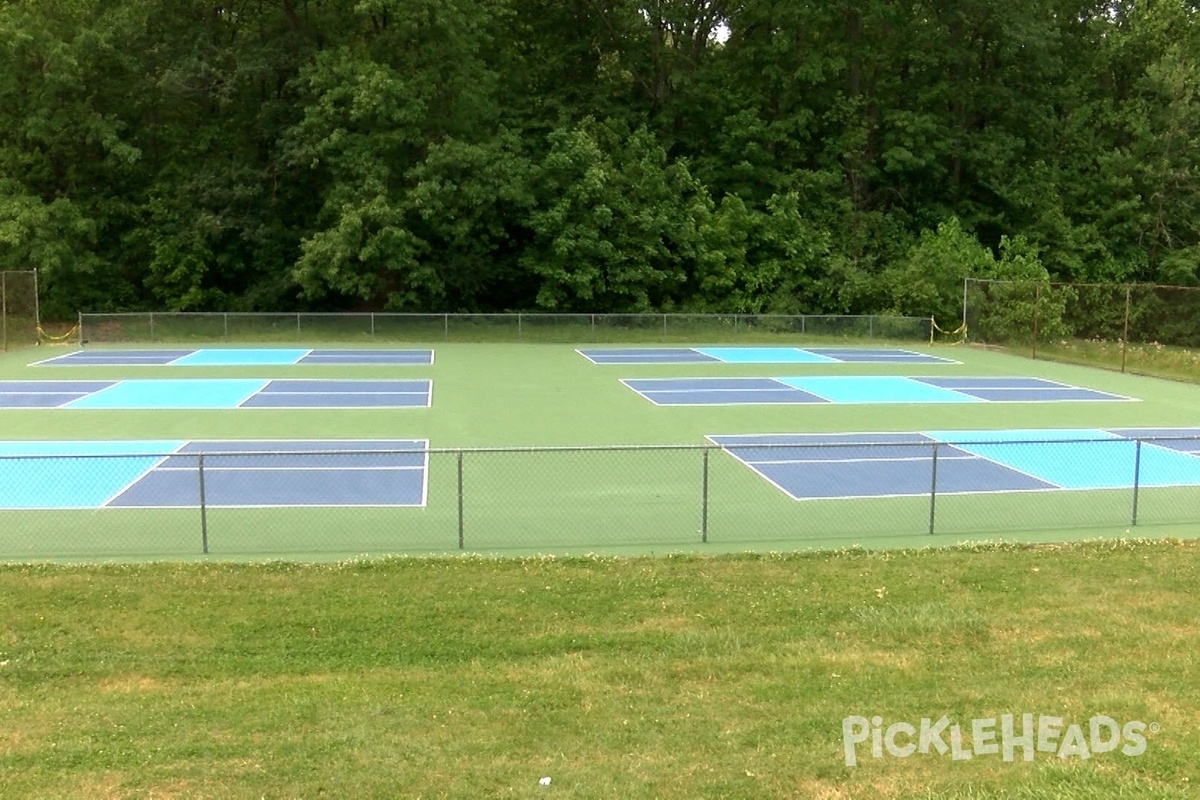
658	490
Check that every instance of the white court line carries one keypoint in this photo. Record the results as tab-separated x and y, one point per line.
901	460
332	394
213	468
143	474
172	363
722	389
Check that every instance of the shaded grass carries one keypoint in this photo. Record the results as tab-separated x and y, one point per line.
684	676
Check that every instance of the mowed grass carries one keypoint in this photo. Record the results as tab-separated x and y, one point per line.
685	676
520	396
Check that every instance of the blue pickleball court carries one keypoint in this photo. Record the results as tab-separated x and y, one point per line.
237	357
759	355
216	393
812	466
858	389
47	475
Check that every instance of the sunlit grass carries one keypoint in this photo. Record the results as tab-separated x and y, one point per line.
634	678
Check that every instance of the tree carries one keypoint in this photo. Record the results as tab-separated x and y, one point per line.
617	225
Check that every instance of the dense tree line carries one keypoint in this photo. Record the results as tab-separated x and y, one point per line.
844	156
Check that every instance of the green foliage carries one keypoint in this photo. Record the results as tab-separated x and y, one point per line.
617	225
929	282
443	154
770	261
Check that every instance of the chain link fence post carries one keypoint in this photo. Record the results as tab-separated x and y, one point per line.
1137	474
203	506
704	497
933	489
460	500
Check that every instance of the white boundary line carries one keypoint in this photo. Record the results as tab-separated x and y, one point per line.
215	468
817	358
427	392
916	459
781	387
652	362
143	474
172	362
211	506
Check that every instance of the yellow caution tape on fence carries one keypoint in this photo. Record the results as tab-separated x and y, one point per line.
48	338
960	331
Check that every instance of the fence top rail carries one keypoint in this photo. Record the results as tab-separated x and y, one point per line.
350	451
512	314
1070	284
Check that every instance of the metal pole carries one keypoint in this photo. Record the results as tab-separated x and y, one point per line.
152	326
297	326
203	507
933	489
592	329
446	326
519	318
1125	330
225	323
1137	473
4	310
964	313
1037	296
460	500
664	327
372	324
704	499
37	304
79	326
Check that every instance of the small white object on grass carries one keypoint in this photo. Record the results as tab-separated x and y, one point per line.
545	781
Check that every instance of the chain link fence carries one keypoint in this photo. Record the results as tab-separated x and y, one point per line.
18	309
97	328
1129	327
372	502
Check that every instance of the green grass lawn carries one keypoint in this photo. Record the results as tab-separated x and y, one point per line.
687	676
517	396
